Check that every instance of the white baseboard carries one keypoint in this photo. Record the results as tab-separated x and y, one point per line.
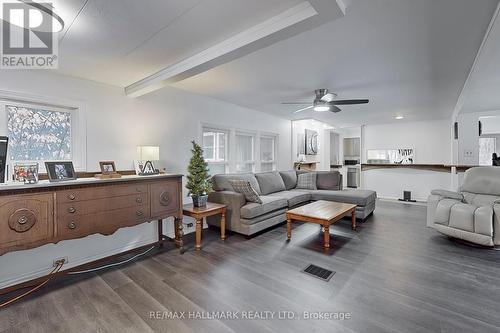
419	202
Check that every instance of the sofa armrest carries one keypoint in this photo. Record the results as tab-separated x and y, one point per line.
231	199
448	194
234	201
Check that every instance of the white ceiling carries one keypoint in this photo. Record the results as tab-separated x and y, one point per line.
482	92
409	57
122	41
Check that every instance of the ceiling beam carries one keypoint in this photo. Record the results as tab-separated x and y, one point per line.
291	22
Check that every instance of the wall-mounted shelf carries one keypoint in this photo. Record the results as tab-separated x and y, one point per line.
307	166
428	167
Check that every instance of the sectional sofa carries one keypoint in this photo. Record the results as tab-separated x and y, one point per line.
278	193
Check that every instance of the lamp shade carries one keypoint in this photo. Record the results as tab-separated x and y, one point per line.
148	153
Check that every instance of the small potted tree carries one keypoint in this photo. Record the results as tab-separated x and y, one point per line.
198	178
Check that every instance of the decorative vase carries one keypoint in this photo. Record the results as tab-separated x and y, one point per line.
199	200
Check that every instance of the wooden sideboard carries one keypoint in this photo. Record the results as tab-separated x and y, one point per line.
44	213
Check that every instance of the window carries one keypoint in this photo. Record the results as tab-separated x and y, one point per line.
487	146
37	134
215	150
40	131
267	153
228	150
245	160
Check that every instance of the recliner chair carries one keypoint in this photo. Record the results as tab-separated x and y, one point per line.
473	214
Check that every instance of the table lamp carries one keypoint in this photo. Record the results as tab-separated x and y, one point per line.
148	154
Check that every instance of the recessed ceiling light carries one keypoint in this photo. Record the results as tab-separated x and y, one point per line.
37	15
399	117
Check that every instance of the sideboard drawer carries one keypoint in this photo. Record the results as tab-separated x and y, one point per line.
106	223
84	194
25	220
102	205
165	198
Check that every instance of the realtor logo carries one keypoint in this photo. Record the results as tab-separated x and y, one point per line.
29	35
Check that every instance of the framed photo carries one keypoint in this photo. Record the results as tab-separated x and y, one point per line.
60	171
107	167
26	172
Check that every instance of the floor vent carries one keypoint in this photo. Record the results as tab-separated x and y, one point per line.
319	272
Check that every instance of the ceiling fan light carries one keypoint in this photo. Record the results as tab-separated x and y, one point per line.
322	108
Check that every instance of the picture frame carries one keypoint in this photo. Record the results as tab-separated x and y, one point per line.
144	168
26	173
60	171
107	167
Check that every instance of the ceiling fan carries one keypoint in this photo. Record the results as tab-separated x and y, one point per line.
325	101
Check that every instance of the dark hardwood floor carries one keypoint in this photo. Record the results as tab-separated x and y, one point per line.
392	275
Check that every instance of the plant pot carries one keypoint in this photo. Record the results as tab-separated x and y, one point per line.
199	200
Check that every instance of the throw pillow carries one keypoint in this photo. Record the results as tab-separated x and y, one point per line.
306	181
244	187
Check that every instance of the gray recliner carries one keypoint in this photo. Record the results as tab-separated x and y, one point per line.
473	214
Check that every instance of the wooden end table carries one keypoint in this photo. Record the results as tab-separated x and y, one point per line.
199	213
324	213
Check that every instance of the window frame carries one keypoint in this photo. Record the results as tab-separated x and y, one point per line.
231	150
273	162
78	123
224	162
252	162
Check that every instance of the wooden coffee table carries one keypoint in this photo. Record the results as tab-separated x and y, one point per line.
321	212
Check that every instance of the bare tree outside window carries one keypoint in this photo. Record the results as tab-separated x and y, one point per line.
37	134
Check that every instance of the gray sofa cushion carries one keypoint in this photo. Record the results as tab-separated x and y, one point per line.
295	197
279	212
269	204
289	178
355	197
328	180
306	181
270	182
221	182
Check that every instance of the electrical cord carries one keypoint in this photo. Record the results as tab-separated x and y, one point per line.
60	264
114	264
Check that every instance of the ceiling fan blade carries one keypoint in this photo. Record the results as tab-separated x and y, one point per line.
296	103
334	109
328	97
304	109
351	102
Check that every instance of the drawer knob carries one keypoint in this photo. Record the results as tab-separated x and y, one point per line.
71	210
71	197
72	225
139	213
138	200
22	220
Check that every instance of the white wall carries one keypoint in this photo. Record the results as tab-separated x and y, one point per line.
468	136
116	125
431	141
323	156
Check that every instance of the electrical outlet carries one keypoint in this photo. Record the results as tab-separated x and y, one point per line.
56	261
468	153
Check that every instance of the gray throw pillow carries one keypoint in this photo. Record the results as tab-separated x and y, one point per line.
306	181
244	187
